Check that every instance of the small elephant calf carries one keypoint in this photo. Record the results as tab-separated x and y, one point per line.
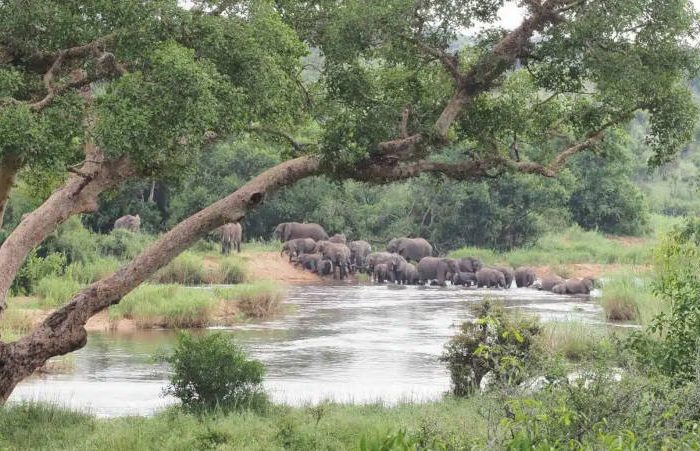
464	278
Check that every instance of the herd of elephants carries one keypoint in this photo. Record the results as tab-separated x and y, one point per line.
308	245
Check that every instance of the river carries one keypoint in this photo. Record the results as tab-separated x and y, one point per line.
341	342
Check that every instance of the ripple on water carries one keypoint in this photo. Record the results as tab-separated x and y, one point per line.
345	342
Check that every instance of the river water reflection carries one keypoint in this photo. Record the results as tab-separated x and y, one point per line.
345	342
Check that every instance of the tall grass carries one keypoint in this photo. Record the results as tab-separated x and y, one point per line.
86	273
193	269
574	245
169	306
261	299
14	323
574	340
628	296
54	291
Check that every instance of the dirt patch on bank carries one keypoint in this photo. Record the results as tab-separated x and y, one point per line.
272	266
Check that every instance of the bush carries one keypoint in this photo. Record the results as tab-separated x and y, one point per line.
74	241
213	372
36	268
260	299
191	269
87	273
166	306
491	343
122	244
55	291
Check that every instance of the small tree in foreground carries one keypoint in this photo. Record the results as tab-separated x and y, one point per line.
214	372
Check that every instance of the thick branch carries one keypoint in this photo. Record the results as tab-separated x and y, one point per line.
10	165
63	331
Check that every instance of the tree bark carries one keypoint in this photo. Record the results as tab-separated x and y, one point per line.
9	167
78	195
63	331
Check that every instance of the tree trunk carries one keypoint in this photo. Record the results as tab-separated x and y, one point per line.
78	195
9	167
63	331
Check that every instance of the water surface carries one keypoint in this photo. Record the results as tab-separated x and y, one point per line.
344	342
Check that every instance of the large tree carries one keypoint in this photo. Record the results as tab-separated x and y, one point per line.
143	86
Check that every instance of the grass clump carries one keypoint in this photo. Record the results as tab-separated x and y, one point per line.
573	340
86	273
54	291
231	270
261	299
193	269
15	323
628	296
169	306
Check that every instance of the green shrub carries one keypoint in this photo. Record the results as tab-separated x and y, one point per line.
55	291
87	273
187	269
231	270
36	268
260	299
122	244
493	342
628	296
214	372
166	306
73	241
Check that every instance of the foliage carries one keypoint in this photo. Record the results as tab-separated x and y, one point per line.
672	342
213	372
193	269
122	244
34	269
493	342
170	306
55	291
261	299
86	273
627	296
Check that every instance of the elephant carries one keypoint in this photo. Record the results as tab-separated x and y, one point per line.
393	261
507	274
230	235
291	230
128	222
559	288
465	278
490	278
578	286
524	277
470	264
547	283
380	273
338	254
338	238
298	246
436	268
316	264
412	249
359	250
410	274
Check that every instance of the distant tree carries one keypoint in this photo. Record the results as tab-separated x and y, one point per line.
159	83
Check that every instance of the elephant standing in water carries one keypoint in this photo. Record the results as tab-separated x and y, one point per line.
464	278
435	268
406	273
338	254
298	246
338	238
490	278
316	264
412	249
381	273
470	264
128	222
508	274
547	283
359	250
291	230
574	286
525	277
231	235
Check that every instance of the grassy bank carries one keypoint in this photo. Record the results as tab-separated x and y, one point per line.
571	246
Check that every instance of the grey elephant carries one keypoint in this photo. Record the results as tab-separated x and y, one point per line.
230	235
380	273
490	278
578	286
297	247
291	230
470	264
464	278
547	283
338	254
129	222
507	274
338	238
412	249
410	274
436	268
559	288
359	250
525	277
393	261
316	264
